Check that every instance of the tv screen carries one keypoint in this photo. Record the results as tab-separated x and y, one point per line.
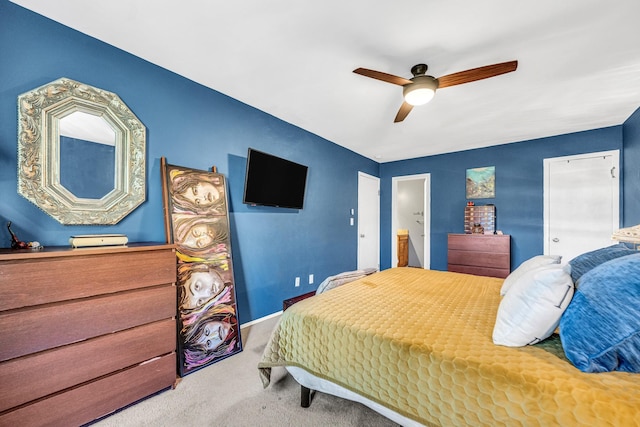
273	181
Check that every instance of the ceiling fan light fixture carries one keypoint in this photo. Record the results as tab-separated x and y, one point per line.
419	96
421	91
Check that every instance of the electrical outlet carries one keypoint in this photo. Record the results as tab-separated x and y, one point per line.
297	282
311	279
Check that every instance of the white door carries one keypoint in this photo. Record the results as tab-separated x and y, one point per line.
581	203
368	221
417	221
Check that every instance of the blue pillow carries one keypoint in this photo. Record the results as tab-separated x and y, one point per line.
600	330
585	262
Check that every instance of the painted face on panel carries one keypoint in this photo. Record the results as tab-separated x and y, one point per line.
202	287
199	236
213	334
202	194
197	192
200	283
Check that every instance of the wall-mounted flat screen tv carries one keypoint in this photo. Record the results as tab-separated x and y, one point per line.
273	181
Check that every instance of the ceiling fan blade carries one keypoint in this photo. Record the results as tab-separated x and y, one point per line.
403	112
379	75
477	74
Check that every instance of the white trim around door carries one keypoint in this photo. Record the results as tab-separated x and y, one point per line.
426	231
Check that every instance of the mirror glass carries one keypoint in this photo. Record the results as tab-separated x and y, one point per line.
87	155
81	153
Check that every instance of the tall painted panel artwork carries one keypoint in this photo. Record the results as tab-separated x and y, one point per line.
197	222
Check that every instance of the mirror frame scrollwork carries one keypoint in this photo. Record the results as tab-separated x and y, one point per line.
39	113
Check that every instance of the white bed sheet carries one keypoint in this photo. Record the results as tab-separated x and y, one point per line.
318	384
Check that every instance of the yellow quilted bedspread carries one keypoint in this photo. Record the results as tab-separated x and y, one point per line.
419	342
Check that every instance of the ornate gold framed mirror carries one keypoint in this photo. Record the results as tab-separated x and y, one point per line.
81	153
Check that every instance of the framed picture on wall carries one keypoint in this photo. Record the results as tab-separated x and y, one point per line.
481	183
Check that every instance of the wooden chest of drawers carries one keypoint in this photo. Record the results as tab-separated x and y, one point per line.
479	254
84	332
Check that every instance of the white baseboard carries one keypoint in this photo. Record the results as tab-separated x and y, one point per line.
253	322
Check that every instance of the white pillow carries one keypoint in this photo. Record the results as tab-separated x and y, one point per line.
531	310
528	265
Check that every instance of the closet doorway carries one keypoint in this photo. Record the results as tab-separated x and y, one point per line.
581	202
410	210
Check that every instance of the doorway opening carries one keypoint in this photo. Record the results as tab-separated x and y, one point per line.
411	210
581	202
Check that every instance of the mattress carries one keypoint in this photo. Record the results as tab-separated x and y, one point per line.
419	343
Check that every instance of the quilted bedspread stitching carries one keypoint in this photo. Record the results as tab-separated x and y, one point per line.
419	342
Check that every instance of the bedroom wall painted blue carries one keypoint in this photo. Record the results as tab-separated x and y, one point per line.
631	170
519	189
197	127
191	126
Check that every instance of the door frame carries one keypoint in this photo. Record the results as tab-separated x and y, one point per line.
616	194
362	175
427	216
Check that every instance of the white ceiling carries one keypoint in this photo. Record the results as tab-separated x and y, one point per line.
579	62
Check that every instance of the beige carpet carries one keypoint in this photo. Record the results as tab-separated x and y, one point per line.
229	394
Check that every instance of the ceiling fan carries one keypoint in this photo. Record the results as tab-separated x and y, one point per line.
421	88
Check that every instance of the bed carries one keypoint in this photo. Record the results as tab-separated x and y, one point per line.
416	345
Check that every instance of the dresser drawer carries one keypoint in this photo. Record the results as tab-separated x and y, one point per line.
480	243
29	331
43	280
479	271
479	259
29	378
96	399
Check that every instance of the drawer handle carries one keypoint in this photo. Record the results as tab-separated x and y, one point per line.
555	240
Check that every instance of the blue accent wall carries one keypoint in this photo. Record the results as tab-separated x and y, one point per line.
197	127
519	189
191	126
631	170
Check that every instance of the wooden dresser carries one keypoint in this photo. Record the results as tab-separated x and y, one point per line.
479	254
84	332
